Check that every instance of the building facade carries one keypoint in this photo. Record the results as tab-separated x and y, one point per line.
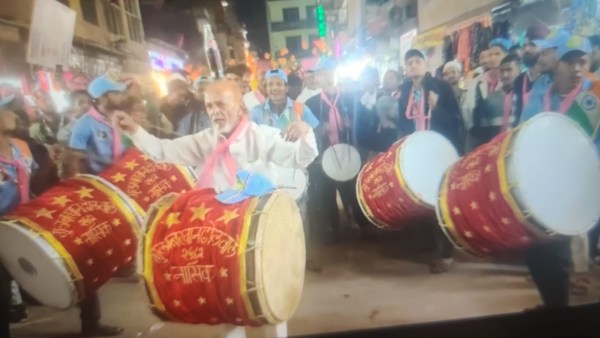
108	36
292	25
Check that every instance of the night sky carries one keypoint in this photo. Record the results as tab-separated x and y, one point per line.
254	14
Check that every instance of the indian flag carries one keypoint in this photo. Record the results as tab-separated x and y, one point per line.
586	109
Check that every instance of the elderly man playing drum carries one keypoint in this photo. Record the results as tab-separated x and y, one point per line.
233	143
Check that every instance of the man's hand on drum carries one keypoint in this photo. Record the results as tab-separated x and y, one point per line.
124	122
295	131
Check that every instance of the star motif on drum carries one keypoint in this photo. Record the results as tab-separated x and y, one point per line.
488	168
172	219
492	196
127	242
456	211
131	165
146	199
109	252
474	205
223	273
128	259
228	215
200	212
90	262
201	301
173	179
85	193
487	228
391	184
44	213
118	177
468	234
116	222
167	276
78	241
229	301
176	303
505	221
61	200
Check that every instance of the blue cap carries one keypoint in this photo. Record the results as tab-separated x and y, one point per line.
6	101
276	73
574	43
501	42
324	64
104	84
554	39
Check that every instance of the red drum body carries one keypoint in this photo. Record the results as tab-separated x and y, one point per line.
527	184
401	184
145	181
207	262
70	240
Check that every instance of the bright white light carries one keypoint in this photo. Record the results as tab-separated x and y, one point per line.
224	4
60	99
350	69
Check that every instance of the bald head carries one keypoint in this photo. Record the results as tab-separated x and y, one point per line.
224	105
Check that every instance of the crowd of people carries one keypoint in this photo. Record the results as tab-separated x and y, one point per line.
220	126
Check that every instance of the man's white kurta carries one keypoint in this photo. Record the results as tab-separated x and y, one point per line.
259	149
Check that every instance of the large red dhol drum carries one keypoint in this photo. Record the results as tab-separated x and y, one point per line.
402	184
538	180
145	181
207	262
70	240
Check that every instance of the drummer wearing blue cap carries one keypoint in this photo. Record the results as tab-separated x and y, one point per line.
550	262
279	110
94	142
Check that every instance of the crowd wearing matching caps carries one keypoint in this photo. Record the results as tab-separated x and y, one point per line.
499	99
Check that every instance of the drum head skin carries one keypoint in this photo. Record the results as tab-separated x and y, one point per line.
293	181
40	270
282	259
341	162
554	171
424	158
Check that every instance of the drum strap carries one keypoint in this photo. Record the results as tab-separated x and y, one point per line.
335	120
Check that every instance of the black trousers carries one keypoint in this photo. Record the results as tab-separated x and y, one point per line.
5	298
323	214
444	248
90	310
549	264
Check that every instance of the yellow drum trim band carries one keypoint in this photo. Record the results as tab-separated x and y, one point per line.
188	175
128	207
56	245
365	206
402	182
148	273
242	246
536	229
448	225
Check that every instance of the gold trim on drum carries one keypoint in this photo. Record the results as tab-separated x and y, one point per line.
156	212
76	275
242	250
128	207
447	225
364	205
506	192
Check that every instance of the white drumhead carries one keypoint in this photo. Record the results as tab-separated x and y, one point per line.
341	162
555	170
36	266
424	158
293	181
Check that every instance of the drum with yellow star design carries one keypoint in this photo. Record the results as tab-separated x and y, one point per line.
401	185
539	180
213	263
145	181
70	240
